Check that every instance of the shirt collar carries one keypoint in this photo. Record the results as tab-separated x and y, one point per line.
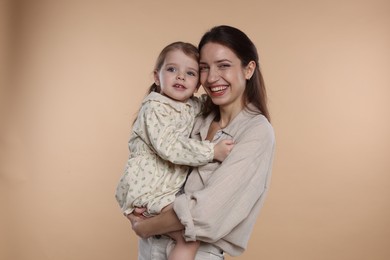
234	126
154	96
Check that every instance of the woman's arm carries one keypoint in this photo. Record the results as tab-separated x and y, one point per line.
228	200
167	221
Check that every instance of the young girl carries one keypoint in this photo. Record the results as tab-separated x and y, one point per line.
161	150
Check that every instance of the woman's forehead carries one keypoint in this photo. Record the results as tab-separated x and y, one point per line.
212	52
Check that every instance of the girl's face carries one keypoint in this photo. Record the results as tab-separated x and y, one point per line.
222	75
178	77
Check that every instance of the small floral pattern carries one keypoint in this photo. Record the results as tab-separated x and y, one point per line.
160	154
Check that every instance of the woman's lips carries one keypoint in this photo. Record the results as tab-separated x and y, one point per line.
217	90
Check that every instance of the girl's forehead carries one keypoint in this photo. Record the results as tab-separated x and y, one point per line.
178	55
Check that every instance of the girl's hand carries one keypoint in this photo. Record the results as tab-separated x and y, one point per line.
222	149
139	212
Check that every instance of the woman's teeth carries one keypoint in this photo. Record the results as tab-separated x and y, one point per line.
219	88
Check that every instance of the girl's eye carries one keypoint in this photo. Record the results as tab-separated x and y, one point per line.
191	73
171	69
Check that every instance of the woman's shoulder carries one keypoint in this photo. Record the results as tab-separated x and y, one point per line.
253	117
259	120
254	125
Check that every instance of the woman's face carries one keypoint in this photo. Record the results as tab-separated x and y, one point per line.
222	75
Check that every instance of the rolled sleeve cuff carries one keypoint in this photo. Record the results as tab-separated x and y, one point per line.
182	210
212	152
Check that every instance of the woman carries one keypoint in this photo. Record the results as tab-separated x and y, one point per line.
221	200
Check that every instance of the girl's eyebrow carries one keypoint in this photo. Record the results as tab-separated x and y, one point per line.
194	69
171	64
174	64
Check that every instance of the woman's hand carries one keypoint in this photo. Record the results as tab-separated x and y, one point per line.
136	218
165	222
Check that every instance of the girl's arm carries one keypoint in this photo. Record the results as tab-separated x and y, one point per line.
159	129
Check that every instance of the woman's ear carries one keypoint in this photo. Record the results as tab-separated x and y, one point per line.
249	70
156	78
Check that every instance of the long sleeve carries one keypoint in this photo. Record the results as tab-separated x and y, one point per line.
162	127
224	210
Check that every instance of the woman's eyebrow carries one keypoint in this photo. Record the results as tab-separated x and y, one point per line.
223	60
217	61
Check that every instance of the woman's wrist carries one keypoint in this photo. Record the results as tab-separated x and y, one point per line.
141	229
139	225
167	221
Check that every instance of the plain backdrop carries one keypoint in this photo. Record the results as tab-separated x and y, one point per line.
73	74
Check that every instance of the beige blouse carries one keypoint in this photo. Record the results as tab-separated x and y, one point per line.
160	153
222	200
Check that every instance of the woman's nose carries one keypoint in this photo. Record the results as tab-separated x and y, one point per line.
213	75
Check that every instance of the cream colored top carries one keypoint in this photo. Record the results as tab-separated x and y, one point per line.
161	153
222	200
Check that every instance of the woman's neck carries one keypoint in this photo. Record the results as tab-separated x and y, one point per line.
228	113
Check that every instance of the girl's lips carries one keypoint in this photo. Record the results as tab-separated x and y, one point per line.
179	86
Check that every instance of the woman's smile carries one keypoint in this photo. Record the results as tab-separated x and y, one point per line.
218	90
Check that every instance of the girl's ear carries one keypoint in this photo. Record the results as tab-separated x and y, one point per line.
156	78
250	69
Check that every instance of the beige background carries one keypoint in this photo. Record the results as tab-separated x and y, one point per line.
72	76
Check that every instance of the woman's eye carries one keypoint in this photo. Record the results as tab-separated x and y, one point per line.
223	66
203	68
